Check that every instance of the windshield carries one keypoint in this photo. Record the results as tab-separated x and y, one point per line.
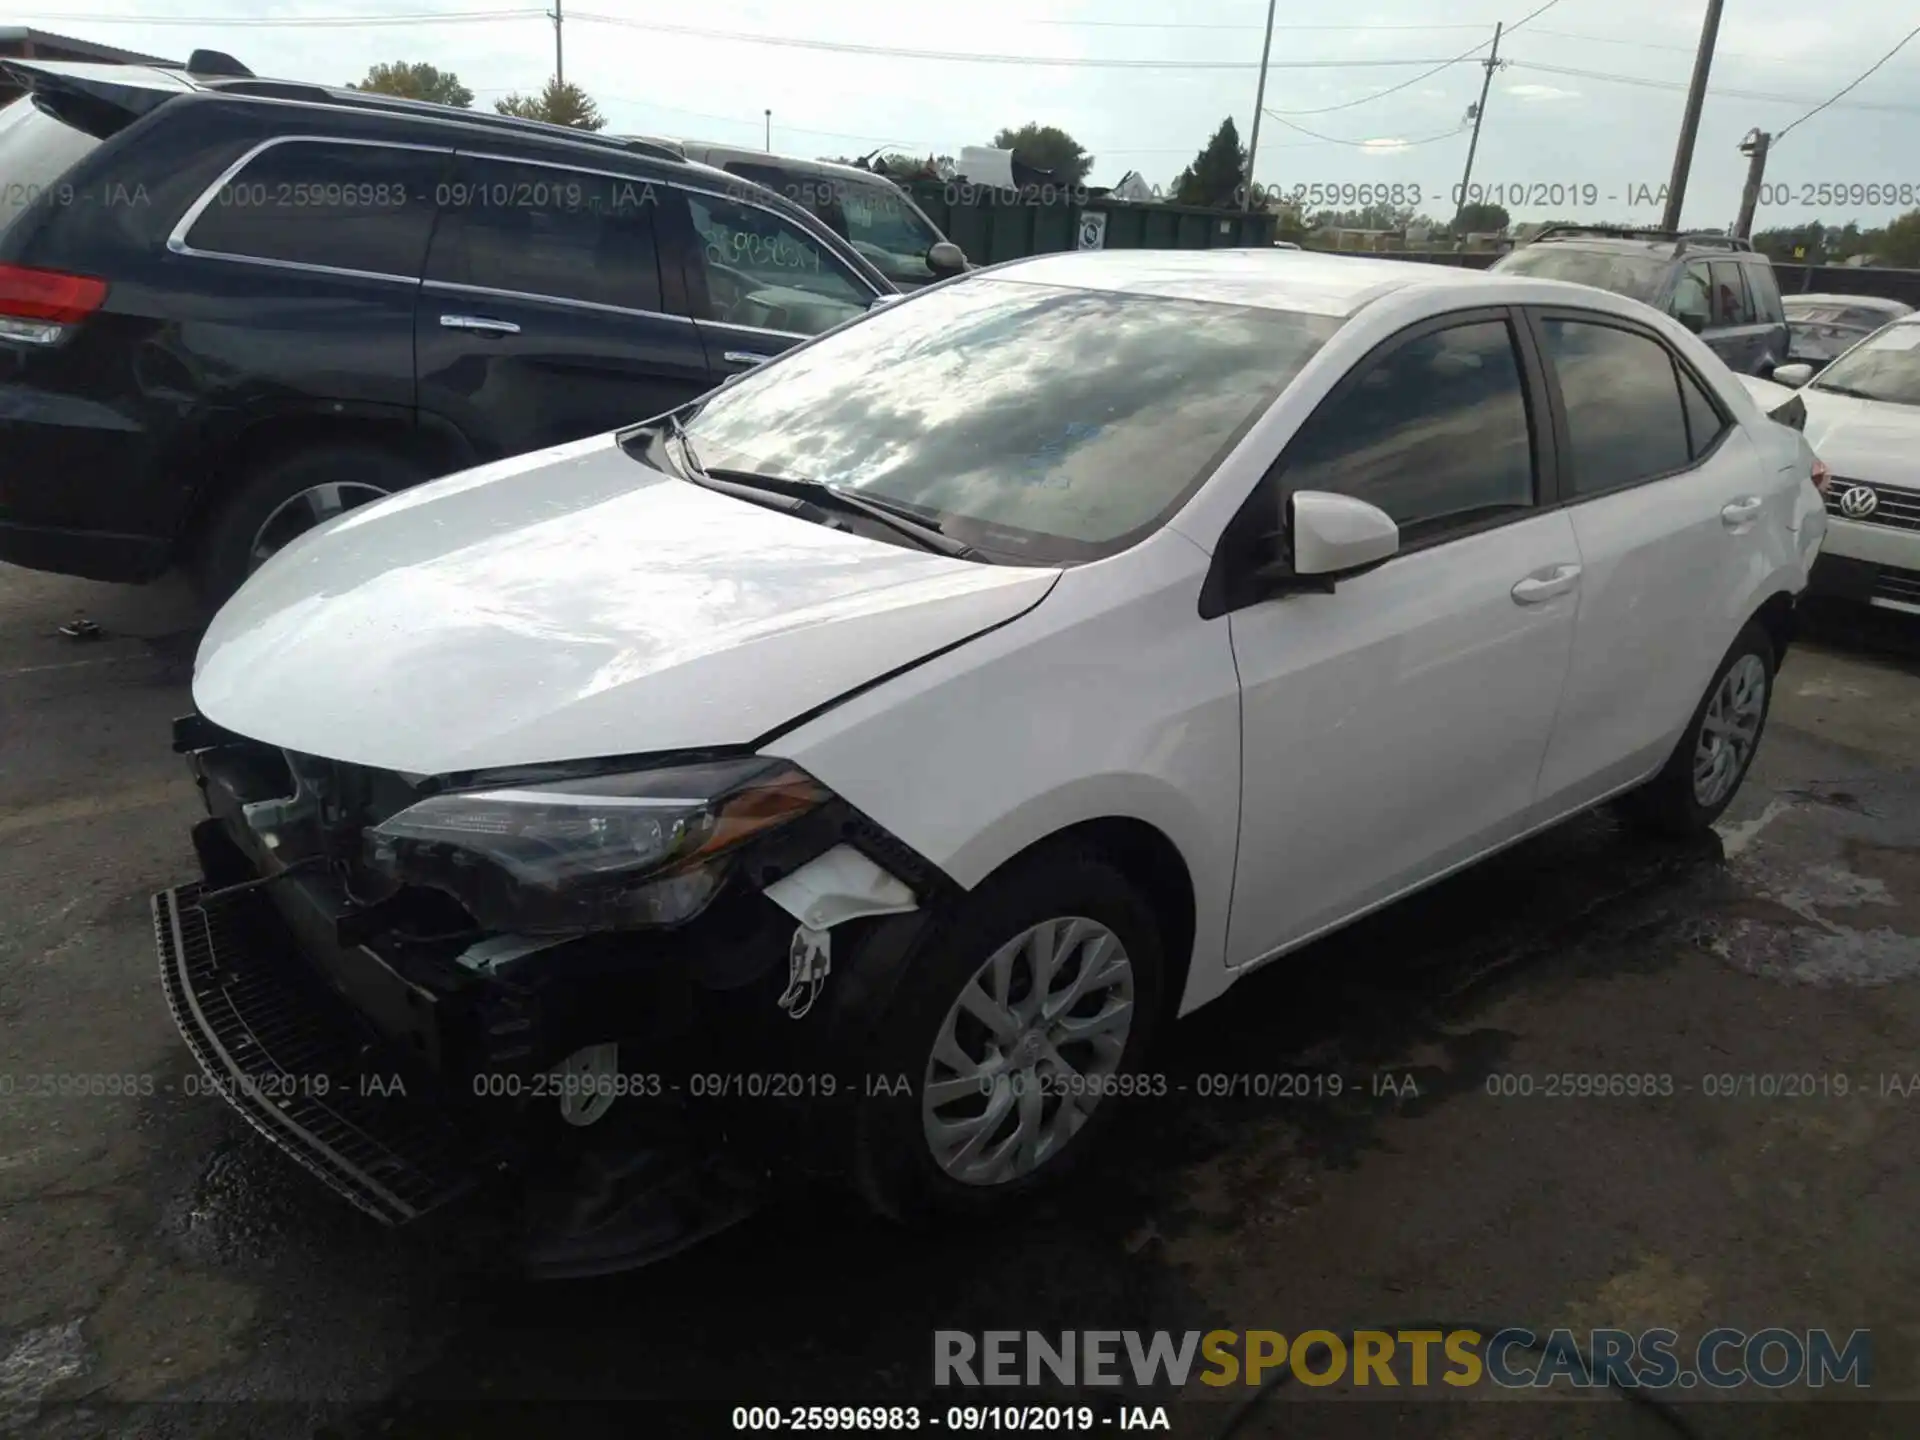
1638	277
36	151
1884	366
1042	424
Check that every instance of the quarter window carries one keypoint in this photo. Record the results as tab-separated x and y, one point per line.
1435	433
325	202
538	230
1625	421
1705	424
763	271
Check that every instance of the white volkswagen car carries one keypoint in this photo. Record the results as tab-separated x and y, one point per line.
1863	416
857	770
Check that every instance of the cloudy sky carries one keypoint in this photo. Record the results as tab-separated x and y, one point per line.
1582	121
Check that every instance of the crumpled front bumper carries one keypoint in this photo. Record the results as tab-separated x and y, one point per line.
301	1067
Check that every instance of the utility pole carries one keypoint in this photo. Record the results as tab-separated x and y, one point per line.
559	64
768	147
1259	104
1690	121
1754	147
1492	63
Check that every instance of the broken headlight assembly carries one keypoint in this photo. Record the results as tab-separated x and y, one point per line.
610	852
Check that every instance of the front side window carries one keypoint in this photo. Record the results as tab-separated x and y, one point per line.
1730	302
1044	424
885	227
1884	366
1435	433
1625	420
538	230
1624	272
1693	294
328	203
761	270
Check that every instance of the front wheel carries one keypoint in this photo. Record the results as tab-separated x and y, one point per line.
1704	772
1022	1029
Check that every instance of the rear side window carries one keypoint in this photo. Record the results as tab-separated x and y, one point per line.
36	152
539	230
327	203
1766	293
1730	303
1434	433
1625	419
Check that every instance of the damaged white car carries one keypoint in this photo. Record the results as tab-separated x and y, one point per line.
850	774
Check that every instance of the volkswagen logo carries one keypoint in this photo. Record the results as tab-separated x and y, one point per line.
1859	502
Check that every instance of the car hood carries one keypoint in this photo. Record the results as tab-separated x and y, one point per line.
574	604
1865	439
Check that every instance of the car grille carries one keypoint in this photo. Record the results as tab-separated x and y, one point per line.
1900	587
1896	506
263	1037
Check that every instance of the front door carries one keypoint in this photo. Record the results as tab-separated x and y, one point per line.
542	317
1394	728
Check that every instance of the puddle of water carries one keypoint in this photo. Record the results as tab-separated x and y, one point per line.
1818	955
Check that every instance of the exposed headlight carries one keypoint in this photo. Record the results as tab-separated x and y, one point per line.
605	853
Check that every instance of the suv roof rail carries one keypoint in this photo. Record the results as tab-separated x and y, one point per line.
1680	239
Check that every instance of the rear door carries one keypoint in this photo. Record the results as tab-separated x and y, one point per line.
757	283
543	316
1764	288
1737	335
1666	497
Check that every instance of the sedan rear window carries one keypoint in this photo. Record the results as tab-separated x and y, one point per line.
36	152
1638	277
1042	423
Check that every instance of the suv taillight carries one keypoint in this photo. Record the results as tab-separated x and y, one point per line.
37	306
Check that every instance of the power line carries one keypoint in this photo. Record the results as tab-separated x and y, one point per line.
1192	25
1463	56
1647	82
1855	81
1374	144
845	47
314	22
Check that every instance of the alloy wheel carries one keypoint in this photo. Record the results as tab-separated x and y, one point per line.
1729	730
299	513
1027	1051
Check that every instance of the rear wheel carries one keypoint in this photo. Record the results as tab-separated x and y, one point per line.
283	499
1704	772
1021	1031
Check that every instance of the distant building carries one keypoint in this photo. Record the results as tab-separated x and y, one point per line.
19	42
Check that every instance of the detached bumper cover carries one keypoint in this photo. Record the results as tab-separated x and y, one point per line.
300	1067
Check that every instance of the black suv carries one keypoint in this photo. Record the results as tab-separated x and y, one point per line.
1719	287
232	307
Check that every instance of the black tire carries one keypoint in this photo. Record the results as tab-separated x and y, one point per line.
1667	804
222	552
895	1170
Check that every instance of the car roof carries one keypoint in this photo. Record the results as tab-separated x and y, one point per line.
1312	281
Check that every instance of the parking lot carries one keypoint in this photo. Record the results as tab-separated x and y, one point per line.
155	1250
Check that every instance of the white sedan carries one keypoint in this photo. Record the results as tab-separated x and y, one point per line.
1863	416
949	704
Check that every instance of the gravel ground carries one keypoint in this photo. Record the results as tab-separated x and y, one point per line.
163	1273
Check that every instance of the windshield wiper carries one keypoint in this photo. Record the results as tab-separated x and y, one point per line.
927	534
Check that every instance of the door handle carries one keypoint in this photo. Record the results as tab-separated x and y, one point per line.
745	357
1545	585
1738	512
479	324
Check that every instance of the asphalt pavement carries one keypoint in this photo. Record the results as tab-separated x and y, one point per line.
164	1273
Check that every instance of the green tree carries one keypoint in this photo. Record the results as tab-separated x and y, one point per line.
1215	176
1899	243
557	104
416	81
1482	219
1047	147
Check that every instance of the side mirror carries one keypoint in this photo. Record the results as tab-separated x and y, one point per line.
1694	320
946	258
1794	375
1335	536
